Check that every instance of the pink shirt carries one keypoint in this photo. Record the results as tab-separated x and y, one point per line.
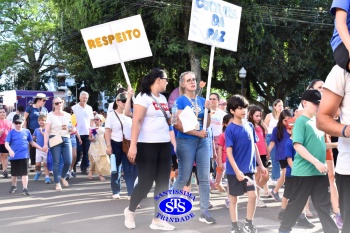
261	144
222	143
6	126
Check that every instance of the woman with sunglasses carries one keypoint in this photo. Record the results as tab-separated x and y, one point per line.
116	125
193	146
58	122
150	139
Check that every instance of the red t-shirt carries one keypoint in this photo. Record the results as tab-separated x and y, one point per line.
222	143
261	143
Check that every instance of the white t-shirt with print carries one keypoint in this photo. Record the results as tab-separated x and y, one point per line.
154	128
57	122
338	81
84	117
216	122
113	123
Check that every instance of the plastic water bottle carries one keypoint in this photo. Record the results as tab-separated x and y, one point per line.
113	164
173	114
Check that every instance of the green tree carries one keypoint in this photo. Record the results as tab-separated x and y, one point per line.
282	44
27	40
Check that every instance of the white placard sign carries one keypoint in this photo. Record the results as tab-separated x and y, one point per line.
128	36
216	23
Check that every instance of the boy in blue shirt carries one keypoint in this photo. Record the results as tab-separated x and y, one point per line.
242	156
340	41
16	143
41	156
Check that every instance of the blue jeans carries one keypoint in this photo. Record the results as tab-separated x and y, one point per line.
63	150
188	151
129	170
276	169
85	148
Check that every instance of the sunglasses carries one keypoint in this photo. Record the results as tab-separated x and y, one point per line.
57	103
191	80
44	100
18	123
165	79
123	101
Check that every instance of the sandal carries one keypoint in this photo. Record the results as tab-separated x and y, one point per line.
90	175
58	187
102	178
64	183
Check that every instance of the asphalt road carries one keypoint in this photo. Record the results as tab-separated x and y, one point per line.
87	206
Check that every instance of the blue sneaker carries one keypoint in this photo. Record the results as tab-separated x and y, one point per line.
37	175
47	180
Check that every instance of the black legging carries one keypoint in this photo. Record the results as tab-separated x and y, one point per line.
153	162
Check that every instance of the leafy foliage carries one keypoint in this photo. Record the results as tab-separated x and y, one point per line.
27	38
282	44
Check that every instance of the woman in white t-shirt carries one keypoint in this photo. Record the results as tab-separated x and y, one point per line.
58	122
114	137
271	120
150	139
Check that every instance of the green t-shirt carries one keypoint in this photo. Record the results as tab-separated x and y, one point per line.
306	133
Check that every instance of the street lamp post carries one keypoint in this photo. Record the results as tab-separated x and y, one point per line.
242	75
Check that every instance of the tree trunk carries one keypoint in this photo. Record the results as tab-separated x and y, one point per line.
194	60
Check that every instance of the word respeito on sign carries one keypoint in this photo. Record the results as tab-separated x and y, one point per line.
117	41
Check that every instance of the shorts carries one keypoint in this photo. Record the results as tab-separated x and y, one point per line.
40	156
73	140
174	165
341	56
19	167
264	161
283	163
288	187
238	188
3	149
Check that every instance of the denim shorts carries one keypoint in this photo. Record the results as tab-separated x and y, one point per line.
73	139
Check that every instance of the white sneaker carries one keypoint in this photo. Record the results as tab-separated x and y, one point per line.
129	218
260	203
116	196
272	182
158	224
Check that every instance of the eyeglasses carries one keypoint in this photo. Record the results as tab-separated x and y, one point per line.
18	123
191	80
123	101
57	103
